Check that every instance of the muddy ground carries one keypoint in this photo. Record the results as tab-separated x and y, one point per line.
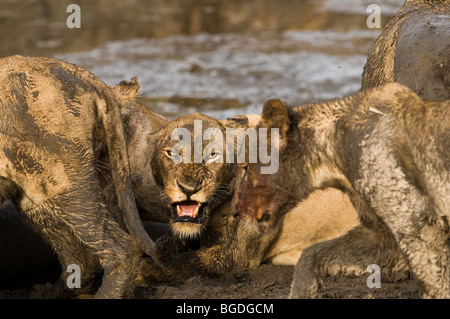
274	282
266	282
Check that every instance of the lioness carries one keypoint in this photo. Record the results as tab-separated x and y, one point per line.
206	239
54	118
390	152
20	267
414	50
196	197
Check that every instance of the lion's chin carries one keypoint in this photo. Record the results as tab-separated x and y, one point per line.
187	230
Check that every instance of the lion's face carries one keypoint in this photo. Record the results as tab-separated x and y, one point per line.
191	171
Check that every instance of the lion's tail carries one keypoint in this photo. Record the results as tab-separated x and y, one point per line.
109	113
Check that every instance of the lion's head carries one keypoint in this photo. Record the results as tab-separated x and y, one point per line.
191	169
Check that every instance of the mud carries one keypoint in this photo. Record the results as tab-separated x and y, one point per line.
266	282
273	282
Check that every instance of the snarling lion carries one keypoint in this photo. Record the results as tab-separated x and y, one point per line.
206	239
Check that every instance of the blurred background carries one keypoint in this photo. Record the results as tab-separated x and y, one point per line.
217	57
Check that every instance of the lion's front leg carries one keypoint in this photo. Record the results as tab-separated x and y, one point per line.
177	262
166	250
55	232
349	254
210	262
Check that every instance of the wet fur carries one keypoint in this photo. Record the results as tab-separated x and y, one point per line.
222	243
414	50
389	151
52	113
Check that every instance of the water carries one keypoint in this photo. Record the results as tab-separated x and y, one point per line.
221	75
235	73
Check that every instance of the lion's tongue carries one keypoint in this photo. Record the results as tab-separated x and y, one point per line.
190	210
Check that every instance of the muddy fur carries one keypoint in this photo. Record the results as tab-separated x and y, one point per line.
18	267
216	242
223	245
389	151
55	118
139	125
219	243
213	242
414	50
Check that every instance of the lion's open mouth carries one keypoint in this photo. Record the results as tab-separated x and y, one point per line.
187	211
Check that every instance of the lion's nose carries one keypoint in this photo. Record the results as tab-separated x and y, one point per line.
190	188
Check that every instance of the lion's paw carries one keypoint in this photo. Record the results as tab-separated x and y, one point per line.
166	249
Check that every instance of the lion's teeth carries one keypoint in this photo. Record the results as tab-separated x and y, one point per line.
188	210
194	214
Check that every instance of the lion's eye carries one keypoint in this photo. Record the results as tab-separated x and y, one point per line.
168	153
173	153
212	156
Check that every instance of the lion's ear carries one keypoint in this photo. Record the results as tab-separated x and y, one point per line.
275	115
127	89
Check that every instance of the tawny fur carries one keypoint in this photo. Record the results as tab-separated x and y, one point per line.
51	115
222	242
389	151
